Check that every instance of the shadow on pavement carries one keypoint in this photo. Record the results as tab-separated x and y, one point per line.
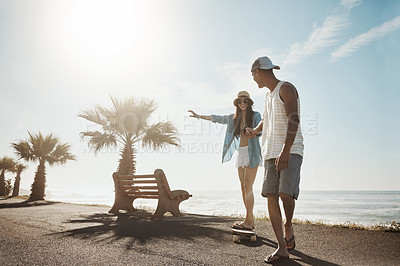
311	260
296	256
24	204
138	227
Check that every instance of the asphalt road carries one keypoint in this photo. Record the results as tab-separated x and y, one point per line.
47	233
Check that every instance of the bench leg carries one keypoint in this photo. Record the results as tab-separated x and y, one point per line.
174	208
166	205
160	211
122	203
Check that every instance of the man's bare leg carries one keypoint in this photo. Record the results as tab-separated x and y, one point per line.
288	206
276	221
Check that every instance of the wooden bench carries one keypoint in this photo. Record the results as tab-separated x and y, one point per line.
131	187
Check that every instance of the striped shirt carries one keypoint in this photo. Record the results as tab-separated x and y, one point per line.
275	122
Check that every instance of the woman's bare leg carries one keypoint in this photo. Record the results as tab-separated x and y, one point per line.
247	176
241	172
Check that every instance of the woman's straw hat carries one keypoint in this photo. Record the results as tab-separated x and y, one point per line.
242	95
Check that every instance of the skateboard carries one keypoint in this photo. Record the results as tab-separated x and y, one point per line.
238	235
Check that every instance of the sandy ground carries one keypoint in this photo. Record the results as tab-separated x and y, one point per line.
48	233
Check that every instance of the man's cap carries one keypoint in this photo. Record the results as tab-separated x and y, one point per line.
263	63
243	94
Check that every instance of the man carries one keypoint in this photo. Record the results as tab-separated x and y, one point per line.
282	151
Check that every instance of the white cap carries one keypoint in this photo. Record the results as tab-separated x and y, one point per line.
263	63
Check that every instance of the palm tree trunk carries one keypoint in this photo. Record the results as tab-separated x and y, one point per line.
127	163
16	184
2	183
39	183
127	166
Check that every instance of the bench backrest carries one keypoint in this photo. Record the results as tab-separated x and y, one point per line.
151	186
138	186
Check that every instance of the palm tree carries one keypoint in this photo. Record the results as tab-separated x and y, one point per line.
9	187
6	164
127	123
18	169
42	149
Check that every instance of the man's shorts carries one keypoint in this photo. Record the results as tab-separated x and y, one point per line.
285	181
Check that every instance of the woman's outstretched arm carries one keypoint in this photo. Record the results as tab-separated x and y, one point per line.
195	115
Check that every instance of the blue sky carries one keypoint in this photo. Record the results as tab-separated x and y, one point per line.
60	57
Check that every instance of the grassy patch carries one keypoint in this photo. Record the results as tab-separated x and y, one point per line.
24	197
392	227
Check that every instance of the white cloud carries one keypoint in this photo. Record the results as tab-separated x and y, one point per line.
322	37
349	4
355	43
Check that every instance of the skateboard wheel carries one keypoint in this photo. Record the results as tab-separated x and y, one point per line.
236	239
253	238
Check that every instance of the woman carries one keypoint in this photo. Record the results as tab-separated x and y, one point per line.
249	150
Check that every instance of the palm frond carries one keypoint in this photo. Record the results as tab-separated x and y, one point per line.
41	146
161	134
7	163
23	150
49	144
60	154
99	140
20	167
36	144
127	121
130	115
94	115
146	108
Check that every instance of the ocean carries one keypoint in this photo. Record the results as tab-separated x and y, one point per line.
331	207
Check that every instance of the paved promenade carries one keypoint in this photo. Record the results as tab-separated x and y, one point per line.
47	233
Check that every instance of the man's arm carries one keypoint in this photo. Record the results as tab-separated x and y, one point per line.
252	132
288	94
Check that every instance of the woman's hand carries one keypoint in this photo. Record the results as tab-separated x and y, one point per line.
251	132
193	114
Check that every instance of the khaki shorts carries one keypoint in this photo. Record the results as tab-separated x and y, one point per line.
285	181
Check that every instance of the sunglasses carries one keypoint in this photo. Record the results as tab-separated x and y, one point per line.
244	101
